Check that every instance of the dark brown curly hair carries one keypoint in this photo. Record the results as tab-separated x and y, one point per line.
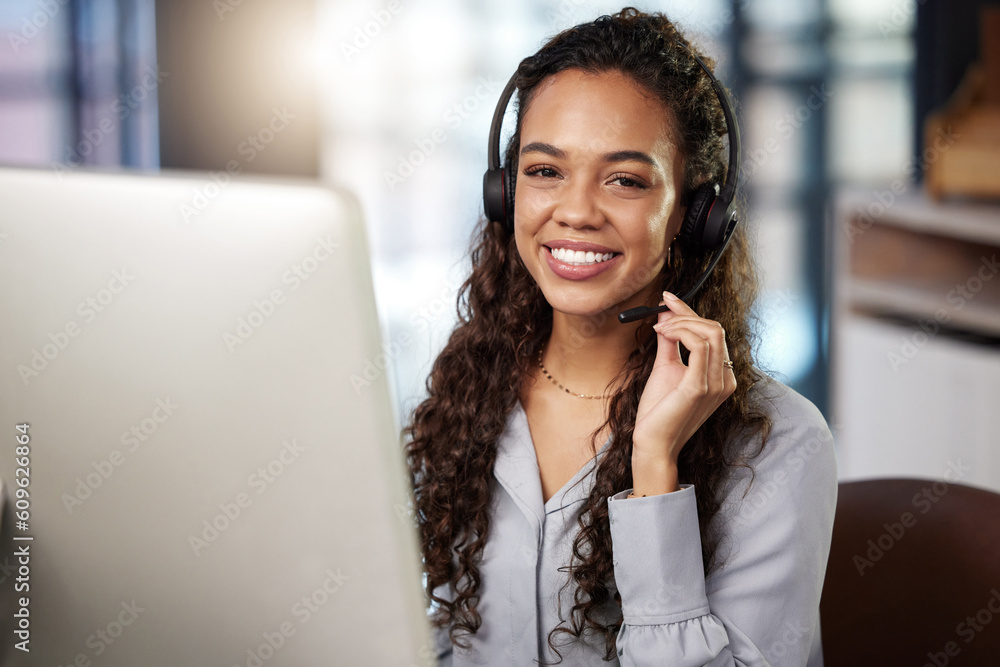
504	320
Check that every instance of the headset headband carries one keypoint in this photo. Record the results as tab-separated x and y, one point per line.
728	192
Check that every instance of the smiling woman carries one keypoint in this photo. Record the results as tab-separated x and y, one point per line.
589	491
597	173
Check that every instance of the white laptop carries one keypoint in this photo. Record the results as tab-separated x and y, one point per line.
209	472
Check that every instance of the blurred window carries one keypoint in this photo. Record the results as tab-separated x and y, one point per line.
78	83
826	95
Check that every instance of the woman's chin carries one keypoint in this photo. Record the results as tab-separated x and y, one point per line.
585	309
594	305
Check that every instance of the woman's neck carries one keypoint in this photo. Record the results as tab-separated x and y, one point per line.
585	353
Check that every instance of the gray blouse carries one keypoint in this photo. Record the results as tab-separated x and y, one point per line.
760	606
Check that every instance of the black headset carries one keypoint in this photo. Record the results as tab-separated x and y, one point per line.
709	221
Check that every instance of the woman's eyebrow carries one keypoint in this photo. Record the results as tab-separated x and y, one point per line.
629	156
540	147
615	156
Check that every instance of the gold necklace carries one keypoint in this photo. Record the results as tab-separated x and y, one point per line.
556	382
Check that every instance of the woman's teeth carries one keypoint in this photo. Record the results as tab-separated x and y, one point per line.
579	257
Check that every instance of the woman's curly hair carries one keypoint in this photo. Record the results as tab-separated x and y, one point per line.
504	320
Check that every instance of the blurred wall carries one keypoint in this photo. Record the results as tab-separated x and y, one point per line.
240	88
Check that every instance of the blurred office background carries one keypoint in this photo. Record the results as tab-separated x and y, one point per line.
393	99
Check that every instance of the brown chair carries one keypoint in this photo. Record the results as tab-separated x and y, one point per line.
913	576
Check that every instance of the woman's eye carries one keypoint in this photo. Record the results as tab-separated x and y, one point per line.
543	171
627	181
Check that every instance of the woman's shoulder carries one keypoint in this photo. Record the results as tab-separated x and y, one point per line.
779	399
797	458
793	417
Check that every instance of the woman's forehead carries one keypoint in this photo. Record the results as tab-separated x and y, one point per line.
602	111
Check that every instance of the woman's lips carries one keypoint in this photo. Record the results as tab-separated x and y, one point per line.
578	271
577	245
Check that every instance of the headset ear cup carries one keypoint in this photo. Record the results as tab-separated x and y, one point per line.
510	182
693	226
719	224
493	195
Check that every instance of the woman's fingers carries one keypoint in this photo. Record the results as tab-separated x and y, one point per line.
667	352
679	397
706	342
676	305
697	379
678	309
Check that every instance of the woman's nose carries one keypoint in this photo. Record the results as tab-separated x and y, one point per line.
577	206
